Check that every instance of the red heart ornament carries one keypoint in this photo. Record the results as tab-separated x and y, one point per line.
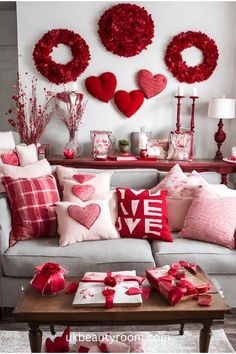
83	192
85	216
83	178
69	153
102	87
150	84
129	102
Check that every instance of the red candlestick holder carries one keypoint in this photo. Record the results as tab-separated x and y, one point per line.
219	139
179	98
192	124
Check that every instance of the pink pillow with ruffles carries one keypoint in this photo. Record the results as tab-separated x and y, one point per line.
211	220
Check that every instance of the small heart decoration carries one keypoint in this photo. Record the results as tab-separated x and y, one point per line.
129	102
83	192
83	178
150	84
69	153
102	87
85	216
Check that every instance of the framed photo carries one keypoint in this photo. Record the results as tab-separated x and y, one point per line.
181	146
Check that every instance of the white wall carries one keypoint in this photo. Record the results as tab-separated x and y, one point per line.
216	19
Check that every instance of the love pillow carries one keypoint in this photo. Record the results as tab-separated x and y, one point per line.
84	222
100	182
142	214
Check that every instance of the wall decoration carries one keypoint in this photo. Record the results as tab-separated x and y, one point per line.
178	67
31	118
61	73
126	29
129	102
102	87
150	84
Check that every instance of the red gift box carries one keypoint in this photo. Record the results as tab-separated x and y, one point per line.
172	286
49	278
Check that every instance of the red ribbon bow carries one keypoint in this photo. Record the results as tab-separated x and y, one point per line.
109	295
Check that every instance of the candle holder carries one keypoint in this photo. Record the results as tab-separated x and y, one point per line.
179	98
192	124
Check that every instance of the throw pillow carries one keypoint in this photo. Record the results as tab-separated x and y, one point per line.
99	181
74	192
84	222
7	140
142	214
177	211
173	182
211	220
10	158
32	207
38	169
27	154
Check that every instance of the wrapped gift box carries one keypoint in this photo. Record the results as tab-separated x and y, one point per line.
108	289
176	283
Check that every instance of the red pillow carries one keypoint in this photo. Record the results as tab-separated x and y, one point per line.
10	158
142	214
31	203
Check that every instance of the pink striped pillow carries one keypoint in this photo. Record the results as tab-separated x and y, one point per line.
211	220
32	207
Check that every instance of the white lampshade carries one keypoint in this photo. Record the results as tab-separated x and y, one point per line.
221	108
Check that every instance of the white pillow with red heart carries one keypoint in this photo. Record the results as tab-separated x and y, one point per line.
86	221
100	182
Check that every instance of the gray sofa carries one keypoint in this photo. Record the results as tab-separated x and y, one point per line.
17	263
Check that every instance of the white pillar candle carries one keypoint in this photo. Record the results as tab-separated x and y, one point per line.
180	90
194	91
233	152
143	140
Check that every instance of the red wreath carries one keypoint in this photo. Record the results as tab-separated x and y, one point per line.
61	73
126	29
179	68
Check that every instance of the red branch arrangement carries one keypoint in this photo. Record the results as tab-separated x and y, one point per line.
178	66
73	113
126	29
31	119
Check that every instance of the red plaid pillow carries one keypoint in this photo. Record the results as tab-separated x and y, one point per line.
31	202
142	214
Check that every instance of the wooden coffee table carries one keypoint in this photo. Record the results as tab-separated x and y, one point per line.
37	310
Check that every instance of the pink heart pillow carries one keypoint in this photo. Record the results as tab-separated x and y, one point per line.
84	222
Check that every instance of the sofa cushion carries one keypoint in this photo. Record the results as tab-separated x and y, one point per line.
101	256
214	259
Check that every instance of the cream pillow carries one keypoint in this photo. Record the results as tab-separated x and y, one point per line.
84	222
27	154
37	169
7	140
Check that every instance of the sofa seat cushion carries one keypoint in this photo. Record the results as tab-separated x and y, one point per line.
214	259
104	255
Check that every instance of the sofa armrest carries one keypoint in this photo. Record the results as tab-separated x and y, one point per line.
5	224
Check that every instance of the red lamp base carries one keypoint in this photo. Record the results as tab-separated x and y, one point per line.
220	137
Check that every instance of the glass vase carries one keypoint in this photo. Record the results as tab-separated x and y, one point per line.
73	145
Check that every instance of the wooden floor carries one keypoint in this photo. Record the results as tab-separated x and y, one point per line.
7	323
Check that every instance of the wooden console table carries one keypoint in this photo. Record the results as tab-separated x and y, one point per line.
224	168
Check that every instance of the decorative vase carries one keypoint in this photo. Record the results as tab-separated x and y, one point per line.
124	149
73	145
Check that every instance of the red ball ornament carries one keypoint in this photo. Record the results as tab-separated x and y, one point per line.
126	29
61	73
179	68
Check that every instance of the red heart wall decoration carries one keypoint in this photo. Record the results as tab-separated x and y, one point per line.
150	84
85	216
129	102
83	192
102	87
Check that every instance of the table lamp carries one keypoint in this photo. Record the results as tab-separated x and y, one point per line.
221	108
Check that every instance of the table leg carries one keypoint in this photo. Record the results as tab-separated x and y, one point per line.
205	337
35	338
181	331
224	179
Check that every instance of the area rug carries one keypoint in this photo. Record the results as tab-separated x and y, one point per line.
149	342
